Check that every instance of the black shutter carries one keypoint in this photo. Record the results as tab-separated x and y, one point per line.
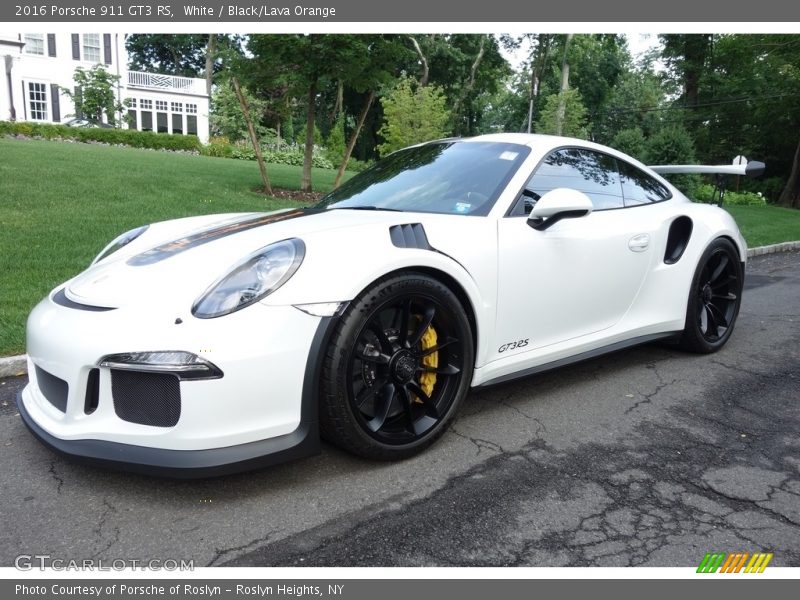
76	46
107	48
51	44
55	103
78	100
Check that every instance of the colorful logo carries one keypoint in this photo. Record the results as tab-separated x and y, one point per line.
734	562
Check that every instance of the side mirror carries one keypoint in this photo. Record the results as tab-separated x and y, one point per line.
557	204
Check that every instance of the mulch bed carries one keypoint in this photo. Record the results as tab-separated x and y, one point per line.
294	195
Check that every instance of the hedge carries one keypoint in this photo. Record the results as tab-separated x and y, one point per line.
125	137
705	194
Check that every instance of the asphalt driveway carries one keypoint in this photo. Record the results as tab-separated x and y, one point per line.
644	457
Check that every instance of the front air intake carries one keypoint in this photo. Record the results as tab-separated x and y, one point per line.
146	398
54	389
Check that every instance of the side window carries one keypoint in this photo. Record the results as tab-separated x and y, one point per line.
639	188
592	173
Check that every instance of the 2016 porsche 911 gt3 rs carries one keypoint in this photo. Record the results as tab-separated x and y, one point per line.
213	344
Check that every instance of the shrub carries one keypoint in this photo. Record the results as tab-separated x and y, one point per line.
218	146
705	193
123	137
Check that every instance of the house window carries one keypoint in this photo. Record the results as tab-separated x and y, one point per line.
161	122
147	104
177	107
147	120
191	109
177	123
131	102
91	47
37	96
191	124
34	43
161	105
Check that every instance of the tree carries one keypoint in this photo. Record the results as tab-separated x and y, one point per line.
412	114
673	145
226	117
573	123
169	54
632	142
95	96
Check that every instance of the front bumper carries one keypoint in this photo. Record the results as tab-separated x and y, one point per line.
182	464
262	411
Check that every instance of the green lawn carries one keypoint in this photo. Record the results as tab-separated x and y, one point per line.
762	226
60	203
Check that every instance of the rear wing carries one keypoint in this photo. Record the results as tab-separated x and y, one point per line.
753	168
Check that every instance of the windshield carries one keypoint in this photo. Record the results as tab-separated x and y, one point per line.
450	177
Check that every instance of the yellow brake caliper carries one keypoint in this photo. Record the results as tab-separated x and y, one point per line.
428	380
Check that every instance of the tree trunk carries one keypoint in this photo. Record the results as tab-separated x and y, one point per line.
211	51
339	104
468	86
305	185
564	87
353	138
790	197
423	80
253	137
538	61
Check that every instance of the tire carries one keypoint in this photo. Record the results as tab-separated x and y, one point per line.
386	394
714	299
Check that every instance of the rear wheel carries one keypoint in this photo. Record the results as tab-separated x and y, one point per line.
714	298
397	369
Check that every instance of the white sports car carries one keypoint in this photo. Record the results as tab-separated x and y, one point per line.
214	344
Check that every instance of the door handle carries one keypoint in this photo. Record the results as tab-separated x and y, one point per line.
639	243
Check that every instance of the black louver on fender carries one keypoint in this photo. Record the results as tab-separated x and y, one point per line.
411	235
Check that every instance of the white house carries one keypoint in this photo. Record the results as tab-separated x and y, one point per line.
38	65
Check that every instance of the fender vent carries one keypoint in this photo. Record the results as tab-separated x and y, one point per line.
679	233
411	235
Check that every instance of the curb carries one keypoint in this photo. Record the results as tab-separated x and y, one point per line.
13	366
782	247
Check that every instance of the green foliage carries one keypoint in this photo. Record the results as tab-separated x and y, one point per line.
673	145
412	114
170	54
705	193
218	146
336	145
227	119
575	123
115	137
97	96
300	138
632	142
293	156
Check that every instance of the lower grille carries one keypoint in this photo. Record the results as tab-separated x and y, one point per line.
146	398
54	389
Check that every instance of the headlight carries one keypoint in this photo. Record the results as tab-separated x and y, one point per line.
249	281
119	242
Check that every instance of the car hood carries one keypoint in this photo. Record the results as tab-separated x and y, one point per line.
174	262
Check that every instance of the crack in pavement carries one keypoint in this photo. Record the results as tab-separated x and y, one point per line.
645	500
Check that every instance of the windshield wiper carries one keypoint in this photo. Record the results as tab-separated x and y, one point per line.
367	208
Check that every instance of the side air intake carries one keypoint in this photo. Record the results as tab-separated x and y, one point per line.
411	235
679	233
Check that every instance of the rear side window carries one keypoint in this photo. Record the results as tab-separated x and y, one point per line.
593	173
639	188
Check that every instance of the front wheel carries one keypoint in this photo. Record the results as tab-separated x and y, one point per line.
398	367
714	298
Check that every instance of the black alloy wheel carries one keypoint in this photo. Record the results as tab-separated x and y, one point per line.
714	299
399	366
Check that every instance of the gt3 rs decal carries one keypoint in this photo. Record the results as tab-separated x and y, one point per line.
513	345
164	251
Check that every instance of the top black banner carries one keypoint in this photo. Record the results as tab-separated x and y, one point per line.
408	11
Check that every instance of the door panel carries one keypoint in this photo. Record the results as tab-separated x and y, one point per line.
574	279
